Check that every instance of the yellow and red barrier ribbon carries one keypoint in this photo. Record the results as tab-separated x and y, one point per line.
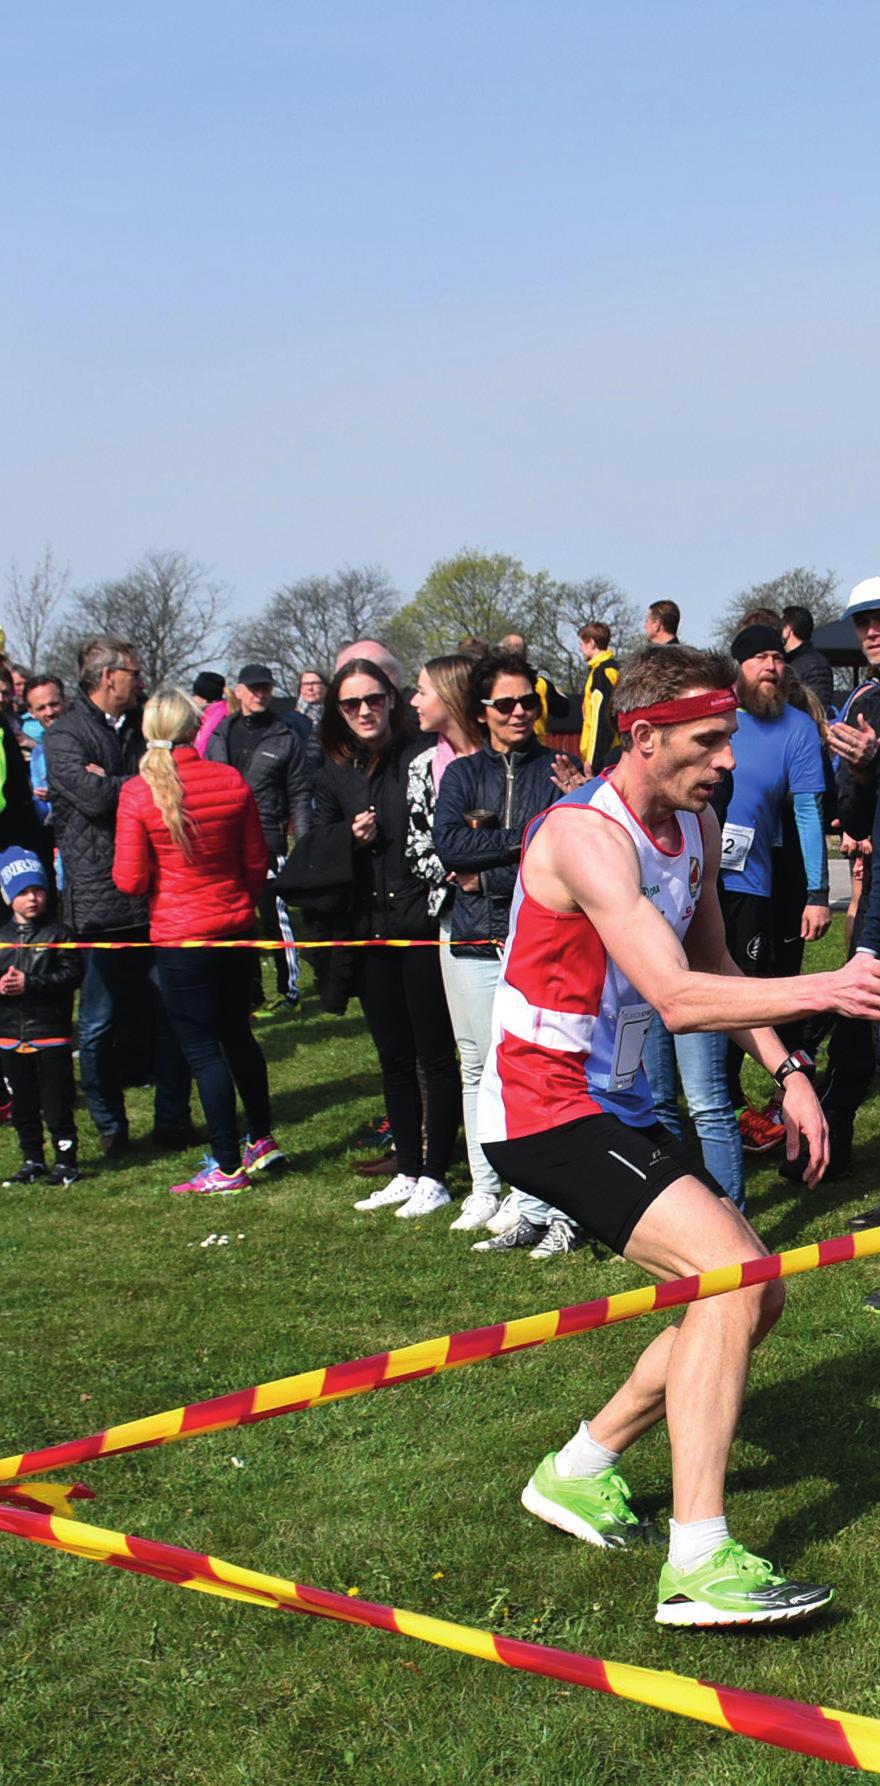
384	1370
258	942
815	1730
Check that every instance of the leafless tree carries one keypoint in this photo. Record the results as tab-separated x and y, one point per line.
32	605
166	604
800	587
306	622
566	608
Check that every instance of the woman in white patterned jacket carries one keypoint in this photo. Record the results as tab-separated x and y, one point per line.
442	704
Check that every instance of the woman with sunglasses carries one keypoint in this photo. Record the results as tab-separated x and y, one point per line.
361	805
483	806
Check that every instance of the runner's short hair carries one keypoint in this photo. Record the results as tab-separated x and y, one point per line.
663	673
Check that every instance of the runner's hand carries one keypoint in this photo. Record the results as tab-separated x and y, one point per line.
815	921
802	1116
855	988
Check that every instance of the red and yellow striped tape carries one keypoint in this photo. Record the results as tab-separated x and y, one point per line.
815	1730
258	942
384	1370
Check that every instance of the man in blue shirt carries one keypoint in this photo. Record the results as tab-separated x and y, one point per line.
778	754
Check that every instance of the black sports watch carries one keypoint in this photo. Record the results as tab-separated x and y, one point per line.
798	1062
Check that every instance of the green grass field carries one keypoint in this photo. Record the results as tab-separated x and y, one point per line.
113	1309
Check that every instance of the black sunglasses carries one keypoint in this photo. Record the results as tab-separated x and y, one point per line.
507	704
353	705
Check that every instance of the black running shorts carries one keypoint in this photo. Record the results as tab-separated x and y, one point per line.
599	1171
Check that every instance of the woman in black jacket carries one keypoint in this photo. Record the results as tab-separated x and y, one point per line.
361	812
483	807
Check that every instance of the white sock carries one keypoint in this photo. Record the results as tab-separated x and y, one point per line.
584	1456
695	1543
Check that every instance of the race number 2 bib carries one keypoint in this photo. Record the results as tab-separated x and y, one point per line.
633	1024
736	841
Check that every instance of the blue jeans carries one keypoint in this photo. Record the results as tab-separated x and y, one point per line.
469	982
207	998
702	1062
113	982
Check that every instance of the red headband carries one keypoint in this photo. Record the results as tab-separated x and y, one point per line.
673	713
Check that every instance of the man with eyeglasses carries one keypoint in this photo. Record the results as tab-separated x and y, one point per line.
91	749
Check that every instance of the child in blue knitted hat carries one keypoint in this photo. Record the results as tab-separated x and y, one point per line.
37	986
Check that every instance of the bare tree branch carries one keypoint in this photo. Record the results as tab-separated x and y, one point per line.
33	602
799	587
166	605
306	622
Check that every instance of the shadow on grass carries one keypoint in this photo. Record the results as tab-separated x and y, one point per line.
835	1202
296	1103
817	1425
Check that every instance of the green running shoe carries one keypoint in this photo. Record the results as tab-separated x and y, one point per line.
735	1588
594	1508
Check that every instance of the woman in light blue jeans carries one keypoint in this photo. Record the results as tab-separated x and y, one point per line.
444	703
701	1060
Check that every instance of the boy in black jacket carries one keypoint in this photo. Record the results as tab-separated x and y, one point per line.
37	985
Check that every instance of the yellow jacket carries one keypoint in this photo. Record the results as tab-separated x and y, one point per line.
599	734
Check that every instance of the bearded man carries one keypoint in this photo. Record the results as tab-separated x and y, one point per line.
778	755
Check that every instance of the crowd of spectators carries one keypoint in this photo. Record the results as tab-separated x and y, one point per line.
379	811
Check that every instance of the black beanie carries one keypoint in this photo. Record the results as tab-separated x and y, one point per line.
754	639
209	685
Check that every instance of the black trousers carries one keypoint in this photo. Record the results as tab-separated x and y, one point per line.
852	1049
402	996
43	1087
748	926
207	996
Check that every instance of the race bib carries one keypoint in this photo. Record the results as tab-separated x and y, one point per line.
633	1024
736	841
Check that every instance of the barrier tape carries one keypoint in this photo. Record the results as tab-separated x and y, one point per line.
828	1735
384	1370
256	942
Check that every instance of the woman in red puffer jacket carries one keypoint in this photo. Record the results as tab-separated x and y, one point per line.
188	835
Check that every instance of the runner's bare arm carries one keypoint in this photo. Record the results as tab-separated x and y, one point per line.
580	859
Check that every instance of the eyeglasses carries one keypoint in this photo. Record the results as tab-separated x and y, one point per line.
128	668
507	704
351	708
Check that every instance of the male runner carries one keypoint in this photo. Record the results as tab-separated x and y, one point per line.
616	915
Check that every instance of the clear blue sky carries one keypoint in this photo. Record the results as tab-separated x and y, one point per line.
287	285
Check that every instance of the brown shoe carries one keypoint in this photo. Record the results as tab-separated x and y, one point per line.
377	1168
115	1143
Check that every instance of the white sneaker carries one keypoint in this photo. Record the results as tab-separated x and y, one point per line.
476	1210
507	1216
399	1190
429	1194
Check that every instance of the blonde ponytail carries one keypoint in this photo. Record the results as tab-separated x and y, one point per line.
170	718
